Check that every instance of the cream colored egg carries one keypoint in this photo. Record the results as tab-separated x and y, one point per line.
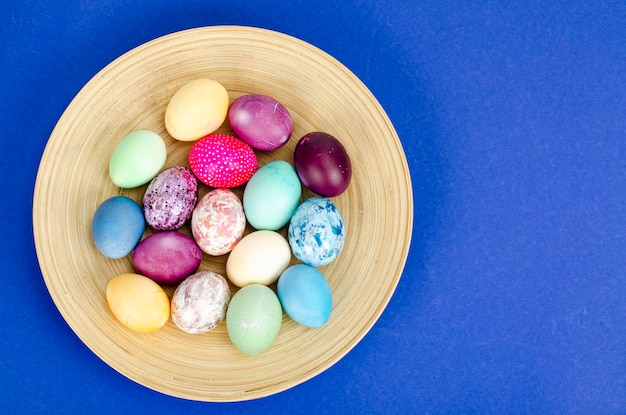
197	109
138	302
259	258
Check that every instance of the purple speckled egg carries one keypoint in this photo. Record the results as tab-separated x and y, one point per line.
170	198
167	257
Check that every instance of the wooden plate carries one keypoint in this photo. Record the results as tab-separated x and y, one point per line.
132	93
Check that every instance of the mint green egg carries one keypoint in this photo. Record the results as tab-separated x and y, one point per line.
137	159
272	196
253	318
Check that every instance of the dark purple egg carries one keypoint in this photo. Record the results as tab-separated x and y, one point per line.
167	257
260	121
322	164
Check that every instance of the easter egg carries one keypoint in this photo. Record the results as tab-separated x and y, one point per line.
218	222
117	226
253	319
221	160
196	109
260	121
316	231
272	195
322	164
137	159
138	302
167	257
170	198
199	303
259	258
305	295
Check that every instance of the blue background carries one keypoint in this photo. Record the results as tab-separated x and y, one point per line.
513	120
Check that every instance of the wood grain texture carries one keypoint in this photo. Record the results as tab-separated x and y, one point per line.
132	93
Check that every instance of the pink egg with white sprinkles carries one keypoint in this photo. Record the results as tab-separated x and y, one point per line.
222	161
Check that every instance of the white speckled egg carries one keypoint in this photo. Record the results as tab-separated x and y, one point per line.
199	303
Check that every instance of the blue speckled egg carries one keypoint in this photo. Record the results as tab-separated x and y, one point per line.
316	232
117	226
305	295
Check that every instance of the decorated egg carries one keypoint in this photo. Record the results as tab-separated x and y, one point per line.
253	318
170	198
259	258
223	161
316	231
305	295
138	302
218	221
199	303
117	226
322	163
260	121
167	257
196	109
272	195
137	159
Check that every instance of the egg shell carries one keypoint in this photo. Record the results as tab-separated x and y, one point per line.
322	163
137	158
305	295
117	226
196	109
138	302
167	257
199	303
261	121
253	319
316	232
272	195
222	161
259	258
218	222
170	198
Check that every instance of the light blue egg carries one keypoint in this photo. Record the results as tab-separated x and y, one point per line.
272	195
117	226
305	295
316	232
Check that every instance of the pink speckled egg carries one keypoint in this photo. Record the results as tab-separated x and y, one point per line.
223	161
218	222
199	303
170	198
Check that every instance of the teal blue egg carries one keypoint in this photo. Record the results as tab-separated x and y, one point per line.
305	295
272	196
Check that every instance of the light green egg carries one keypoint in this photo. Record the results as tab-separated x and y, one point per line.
253	318
137	159
272	195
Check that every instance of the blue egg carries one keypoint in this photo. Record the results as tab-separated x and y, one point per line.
305	295
316	232
117	226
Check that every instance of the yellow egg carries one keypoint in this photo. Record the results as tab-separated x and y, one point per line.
138	302
197	109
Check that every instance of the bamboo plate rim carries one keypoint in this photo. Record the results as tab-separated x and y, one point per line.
131	93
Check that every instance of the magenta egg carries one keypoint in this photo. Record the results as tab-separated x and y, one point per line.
222	160
261	121
167	257
322	164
